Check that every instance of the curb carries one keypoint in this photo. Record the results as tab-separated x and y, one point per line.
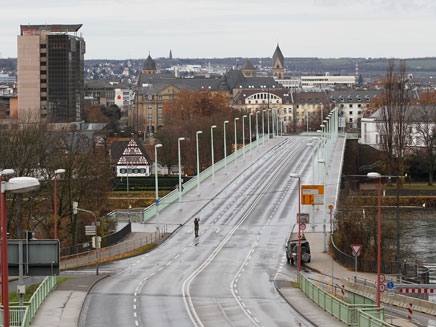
87	293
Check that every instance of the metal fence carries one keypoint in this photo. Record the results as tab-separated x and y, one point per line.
419	274
21	316
89	257
150	211
105	241
345	312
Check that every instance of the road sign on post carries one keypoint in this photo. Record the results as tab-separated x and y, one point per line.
356	249
90	230
312	194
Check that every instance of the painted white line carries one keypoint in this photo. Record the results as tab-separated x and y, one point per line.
177	256
134	300
134	314
136	323
134	307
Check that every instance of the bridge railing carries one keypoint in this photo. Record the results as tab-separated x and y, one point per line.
21	316
141	215
350	314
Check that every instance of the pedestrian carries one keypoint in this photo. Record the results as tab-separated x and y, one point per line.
196	226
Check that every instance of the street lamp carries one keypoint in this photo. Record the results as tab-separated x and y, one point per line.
198	162
269	110
14	185
57	172
249	127
322	161
180	173
213	156
236	142
257	131
263	126
294	175
156	184
377	175
96	232
243	136
225	150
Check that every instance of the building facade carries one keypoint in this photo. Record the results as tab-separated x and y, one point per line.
326	81
50	73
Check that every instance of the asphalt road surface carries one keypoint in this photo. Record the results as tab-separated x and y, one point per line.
225	277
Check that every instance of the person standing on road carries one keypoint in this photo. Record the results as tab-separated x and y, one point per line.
196	226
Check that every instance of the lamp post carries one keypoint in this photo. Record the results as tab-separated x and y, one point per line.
211	150
272	121
4	250
243	136
249	127
96	236
294	175
263	126
225	150
57	172
377	175
322	161
198	162
257	131
14	185
156	184
269	110
180	172
128	195
236	143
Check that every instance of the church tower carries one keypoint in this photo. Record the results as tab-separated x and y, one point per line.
278	62
248	70
149	66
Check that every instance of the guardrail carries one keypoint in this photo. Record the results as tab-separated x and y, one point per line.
150	211
349	314
21	316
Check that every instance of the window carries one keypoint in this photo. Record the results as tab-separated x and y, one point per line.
43	89
160	97
359	112
350	105
43	63
150	116
43	81
351	120
150	107
350	112
43	98
359	105
43	72
43	46
160	107
43	55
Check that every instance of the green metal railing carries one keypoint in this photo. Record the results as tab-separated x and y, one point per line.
362	315
21	316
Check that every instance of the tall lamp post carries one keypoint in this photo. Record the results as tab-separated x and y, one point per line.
249	127
213	155
198	162
236	142
96	233
268	113
156	184
377	175
14	185
225	149
180	172
294	175
257	131
243	136
263	126
57	172
324	182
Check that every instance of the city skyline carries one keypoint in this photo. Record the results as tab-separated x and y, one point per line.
208	29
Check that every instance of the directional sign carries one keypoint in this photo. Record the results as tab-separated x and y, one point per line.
390	285
356	249
312	194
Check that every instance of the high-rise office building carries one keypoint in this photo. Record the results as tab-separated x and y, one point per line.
50	73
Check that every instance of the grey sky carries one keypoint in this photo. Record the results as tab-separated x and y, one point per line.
229	28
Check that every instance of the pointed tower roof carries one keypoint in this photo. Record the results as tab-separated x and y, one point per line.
171	55
248	66
149	64
278	55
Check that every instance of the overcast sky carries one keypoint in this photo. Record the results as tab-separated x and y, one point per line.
233	28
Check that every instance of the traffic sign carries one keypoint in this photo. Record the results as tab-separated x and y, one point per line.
90	230
156	201
382	288
390	285
382	278
356	249
312	194
302	226
304	217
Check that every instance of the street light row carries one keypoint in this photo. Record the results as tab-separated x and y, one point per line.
180	139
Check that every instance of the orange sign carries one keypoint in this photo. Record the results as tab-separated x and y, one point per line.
312	194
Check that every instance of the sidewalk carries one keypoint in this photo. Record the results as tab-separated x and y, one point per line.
62	307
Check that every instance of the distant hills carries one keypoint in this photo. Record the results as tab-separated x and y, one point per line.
368	67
